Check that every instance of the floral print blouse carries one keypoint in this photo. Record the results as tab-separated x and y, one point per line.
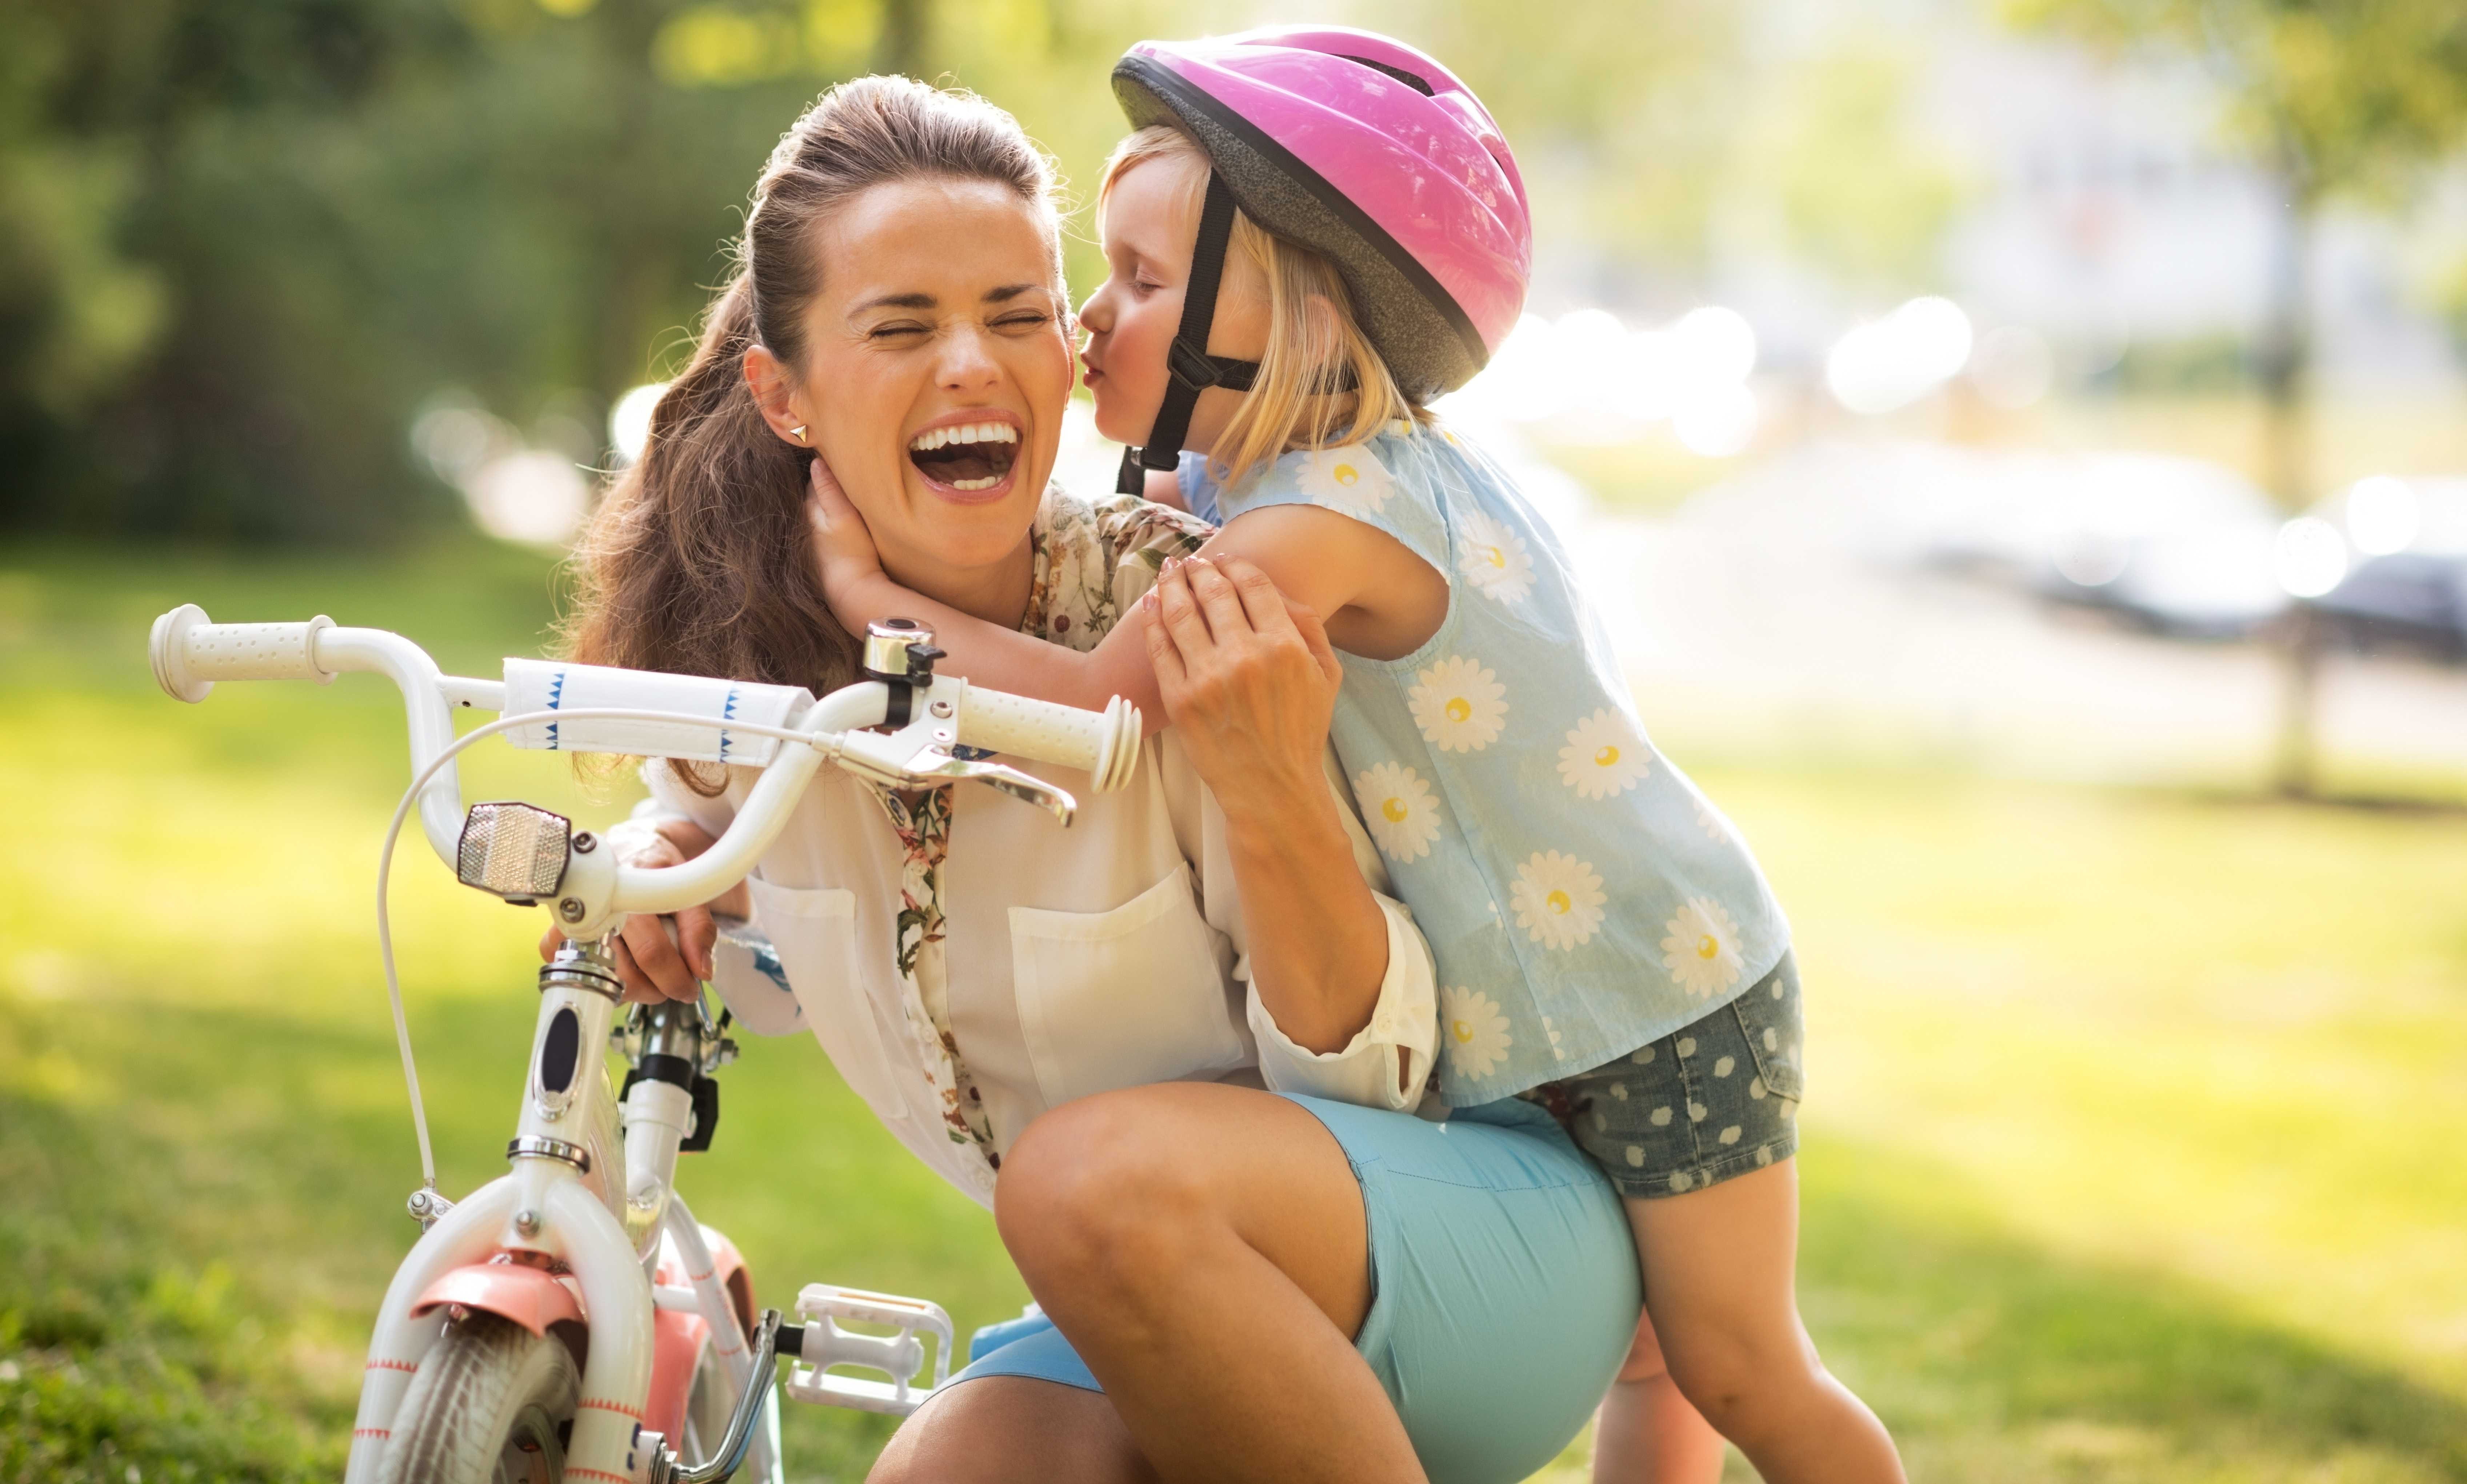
1093	560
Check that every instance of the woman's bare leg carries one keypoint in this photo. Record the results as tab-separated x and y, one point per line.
1013	1430
1646	1432
1204	1248
1720	1282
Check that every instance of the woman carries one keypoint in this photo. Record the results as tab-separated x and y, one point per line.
1082	1028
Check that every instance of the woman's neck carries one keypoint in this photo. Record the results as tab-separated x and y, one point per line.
996	593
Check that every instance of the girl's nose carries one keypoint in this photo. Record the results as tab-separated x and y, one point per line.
1094	317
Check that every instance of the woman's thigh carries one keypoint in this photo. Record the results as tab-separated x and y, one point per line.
1483	1266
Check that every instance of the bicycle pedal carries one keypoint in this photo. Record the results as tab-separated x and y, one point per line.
824	1344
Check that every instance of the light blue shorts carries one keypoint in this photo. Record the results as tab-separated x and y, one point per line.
1504	1286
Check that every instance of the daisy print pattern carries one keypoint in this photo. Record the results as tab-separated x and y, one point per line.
1475	1032
1605	755
1702	951
1494	559
1398	808
1345	476
1459	704
1558	899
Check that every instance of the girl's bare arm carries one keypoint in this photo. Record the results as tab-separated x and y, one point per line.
1385	602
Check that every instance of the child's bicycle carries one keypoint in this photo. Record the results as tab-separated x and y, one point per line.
571	1319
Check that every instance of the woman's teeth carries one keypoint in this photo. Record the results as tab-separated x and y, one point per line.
966	456
964	432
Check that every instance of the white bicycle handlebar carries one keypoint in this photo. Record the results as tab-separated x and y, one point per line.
190	653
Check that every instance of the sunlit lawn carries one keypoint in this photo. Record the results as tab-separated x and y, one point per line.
2131	1137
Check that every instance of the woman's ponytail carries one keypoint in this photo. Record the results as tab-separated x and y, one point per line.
700	560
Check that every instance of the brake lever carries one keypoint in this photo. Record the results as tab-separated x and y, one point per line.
933	766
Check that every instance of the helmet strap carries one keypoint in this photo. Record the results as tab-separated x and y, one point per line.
1193	369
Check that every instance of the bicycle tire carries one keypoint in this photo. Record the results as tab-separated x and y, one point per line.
487	1407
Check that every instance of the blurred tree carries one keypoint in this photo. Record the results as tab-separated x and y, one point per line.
241	242
2330	97
243	239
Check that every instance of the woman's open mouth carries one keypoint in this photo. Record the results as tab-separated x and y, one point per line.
968	456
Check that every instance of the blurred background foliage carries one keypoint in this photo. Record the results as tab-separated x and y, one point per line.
242	240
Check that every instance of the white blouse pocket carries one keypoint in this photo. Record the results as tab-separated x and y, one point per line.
815	936
1118	998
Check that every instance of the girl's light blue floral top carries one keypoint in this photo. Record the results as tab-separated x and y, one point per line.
1581	896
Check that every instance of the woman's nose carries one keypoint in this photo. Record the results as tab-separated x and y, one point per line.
968	362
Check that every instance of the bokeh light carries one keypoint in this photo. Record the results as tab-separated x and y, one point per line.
1886	366
1603	382
629	421
2382	515
2310	557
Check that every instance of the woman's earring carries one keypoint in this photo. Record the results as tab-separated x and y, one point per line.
798	432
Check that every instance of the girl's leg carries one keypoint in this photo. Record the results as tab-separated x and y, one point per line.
1206	1252
1720	1285
1646	1433
1010	1429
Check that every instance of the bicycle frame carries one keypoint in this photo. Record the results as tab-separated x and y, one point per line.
577	1231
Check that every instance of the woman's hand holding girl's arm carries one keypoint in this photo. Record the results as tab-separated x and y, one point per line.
1251	683
655	964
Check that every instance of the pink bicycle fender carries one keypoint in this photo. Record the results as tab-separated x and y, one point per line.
529	1298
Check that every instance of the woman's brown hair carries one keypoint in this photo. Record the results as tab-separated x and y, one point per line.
699	561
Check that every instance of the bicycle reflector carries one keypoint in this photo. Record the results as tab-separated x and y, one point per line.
515	850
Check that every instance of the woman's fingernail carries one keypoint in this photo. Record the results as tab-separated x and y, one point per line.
1147	602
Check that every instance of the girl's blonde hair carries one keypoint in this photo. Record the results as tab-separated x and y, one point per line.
1307	351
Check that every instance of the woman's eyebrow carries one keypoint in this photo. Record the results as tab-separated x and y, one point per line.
911	300
924	301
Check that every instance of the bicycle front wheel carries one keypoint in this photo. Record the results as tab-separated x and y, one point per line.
493	1404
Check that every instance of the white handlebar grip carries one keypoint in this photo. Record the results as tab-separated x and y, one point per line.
1105	744
191	652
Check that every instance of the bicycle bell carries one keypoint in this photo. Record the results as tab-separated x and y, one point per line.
899	653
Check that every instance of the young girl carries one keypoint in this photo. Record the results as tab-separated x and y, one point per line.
1606	944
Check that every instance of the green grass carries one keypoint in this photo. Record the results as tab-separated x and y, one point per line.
2130	1135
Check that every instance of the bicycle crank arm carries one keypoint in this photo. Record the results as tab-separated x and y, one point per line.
730	1455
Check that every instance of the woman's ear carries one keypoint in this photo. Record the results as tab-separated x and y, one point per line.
774	393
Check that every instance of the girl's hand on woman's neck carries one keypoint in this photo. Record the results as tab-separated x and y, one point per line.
859	590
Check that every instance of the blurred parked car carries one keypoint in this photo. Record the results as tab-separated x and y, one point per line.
2407	585
2177	544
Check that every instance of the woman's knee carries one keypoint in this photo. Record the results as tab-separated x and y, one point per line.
1101	1185
1005	1429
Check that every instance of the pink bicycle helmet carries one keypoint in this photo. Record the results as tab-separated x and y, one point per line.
1365	150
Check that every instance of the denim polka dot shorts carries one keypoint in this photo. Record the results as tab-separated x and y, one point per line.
1712	1099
